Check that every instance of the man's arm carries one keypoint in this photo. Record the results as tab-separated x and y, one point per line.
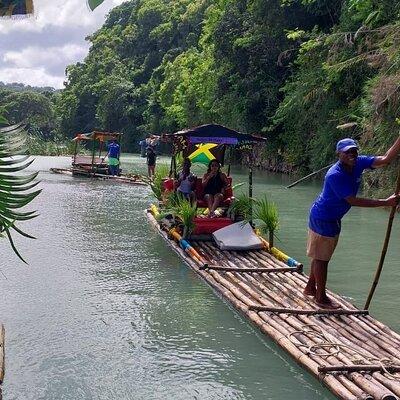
391	154
391	201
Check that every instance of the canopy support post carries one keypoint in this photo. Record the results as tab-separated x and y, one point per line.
251	186
93	154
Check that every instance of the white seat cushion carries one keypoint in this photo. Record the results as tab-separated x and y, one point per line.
237	236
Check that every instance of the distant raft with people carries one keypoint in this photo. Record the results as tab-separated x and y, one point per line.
354	355
96	165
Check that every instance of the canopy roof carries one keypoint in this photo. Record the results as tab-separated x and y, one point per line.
214	133
96	135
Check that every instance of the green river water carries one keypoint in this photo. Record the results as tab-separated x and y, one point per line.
105	310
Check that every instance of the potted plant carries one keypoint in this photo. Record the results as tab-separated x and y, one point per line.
182	211
265	213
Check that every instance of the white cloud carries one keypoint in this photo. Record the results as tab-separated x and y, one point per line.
51	57
36	51
31	76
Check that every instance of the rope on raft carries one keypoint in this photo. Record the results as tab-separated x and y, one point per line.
313	331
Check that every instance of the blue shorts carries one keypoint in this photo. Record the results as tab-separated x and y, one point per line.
329	228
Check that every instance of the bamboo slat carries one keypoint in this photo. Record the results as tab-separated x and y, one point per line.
251	270
367	367
308	312
314	338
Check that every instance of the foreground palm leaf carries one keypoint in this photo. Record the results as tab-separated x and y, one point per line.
14	189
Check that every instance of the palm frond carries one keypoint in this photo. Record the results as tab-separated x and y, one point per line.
265	214
15	189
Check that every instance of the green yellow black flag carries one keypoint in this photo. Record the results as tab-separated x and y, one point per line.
94	3
203	153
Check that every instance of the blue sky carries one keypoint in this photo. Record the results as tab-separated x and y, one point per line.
35	51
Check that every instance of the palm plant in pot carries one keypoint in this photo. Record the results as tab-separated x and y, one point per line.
265	214
184	211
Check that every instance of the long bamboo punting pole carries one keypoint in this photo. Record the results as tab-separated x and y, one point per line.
2	354
308	176
384	249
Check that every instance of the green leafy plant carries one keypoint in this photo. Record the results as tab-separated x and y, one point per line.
265	214
15	189
241	207
156	182
183	210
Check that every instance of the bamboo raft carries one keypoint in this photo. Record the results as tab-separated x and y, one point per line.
80	172
352	354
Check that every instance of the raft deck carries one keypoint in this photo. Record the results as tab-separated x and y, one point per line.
352	354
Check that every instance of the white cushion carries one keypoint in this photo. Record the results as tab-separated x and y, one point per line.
237	236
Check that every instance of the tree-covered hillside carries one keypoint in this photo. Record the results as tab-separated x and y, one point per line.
291	69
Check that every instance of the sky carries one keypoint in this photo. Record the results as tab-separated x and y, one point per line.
36	50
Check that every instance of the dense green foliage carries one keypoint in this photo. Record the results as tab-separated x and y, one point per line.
35	107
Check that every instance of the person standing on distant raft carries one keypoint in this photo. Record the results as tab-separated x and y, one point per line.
339	193
151	161
113	158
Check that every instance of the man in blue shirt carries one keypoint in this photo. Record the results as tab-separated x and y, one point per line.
339	193
113	158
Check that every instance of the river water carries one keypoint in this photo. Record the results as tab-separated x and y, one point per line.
105	310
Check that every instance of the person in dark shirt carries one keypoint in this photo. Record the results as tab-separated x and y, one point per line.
214	183
339	193
151	161
113	158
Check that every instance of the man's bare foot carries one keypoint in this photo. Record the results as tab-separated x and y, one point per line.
309	291
327	304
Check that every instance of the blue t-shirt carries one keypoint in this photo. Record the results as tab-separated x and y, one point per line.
113	150
338	184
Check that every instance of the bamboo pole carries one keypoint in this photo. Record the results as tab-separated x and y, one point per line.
308	176
359	367
384	249
251	270
2	354
307	312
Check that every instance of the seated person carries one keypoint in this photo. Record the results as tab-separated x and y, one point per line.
214	183
186	182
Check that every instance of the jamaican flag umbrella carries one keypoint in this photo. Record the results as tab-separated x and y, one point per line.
207	142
